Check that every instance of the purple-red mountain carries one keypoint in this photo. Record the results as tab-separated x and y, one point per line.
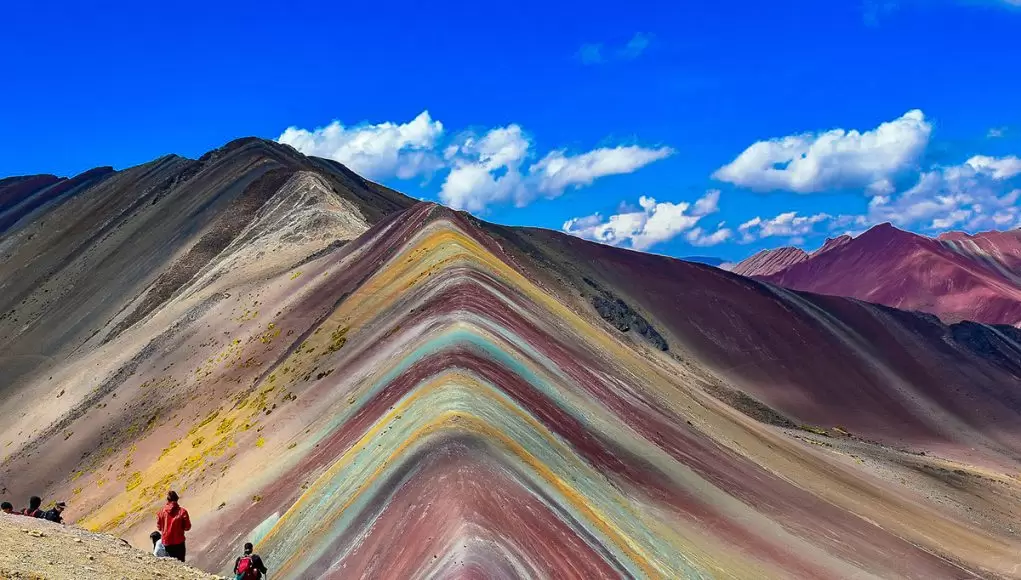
956	276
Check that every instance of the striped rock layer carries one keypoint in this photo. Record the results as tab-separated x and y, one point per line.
440	397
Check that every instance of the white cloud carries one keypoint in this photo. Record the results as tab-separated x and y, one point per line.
651	223
489	170
977	194
486	170
483	170
597	53
999	168
558	171
788	224
697	237
997	132
835	159
374	151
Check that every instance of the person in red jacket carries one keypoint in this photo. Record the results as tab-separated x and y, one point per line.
172	521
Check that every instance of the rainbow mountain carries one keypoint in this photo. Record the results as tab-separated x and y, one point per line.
367	386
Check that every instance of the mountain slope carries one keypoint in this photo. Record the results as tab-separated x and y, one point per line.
769	262
35	548
439	396
956	277
101	258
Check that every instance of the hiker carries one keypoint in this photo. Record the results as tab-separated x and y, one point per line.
33	510
53	515
249	566
173	522
6	507
158	549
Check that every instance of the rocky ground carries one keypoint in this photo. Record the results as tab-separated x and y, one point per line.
37	549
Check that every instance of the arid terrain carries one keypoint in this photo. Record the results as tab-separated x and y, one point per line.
365	385
35	549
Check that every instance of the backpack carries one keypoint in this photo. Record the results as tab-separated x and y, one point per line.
37	513
246	569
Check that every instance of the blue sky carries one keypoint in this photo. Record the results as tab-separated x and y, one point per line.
625	124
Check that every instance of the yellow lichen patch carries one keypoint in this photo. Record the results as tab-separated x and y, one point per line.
295	275
178	467
209	419
225	425
271	332
247	315
134	480
260	442
168	449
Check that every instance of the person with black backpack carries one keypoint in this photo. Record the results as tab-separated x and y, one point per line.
249	566
33	510
54	515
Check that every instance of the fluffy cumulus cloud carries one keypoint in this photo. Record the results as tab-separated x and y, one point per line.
997	168
374	151
651	223
558	171
838	159
788	224
491	169
486	170
981	193
483	170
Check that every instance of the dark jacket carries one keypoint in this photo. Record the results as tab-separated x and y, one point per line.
256	563
54	516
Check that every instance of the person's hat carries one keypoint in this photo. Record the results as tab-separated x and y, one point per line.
61	505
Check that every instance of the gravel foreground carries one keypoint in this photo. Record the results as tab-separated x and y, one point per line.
40	550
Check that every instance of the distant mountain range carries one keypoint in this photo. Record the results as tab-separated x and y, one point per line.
956	276
369	386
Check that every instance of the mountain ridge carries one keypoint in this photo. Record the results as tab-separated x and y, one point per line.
956	277
399	377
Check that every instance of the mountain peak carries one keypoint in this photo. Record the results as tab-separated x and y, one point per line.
248	143
832	244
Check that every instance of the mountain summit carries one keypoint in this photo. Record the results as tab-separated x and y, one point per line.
956	276
364	385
